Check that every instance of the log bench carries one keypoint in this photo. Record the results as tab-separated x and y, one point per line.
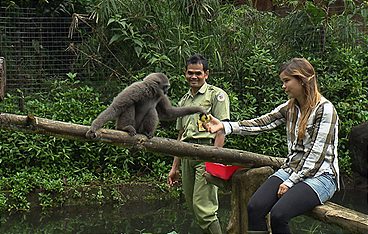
245	182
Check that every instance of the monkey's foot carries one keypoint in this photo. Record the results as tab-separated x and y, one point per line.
149	135
132	133
91	134
130	130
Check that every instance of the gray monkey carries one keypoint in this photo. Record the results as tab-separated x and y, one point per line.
140	106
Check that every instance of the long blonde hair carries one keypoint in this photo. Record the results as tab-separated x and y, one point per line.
302	70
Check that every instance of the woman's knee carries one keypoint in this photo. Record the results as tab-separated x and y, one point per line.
255	206
279	216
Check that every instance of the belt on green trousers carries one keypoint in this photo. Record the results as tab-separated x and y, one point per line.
204	141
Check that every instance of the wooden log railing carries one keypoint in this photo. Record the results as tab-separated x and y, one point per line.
354	222
156	144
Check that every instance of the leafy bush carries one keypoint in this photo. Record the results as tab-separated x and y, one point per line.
48	164
244	48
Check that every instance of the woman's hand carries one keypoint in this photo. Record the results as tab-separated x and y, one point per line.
214	125
282	190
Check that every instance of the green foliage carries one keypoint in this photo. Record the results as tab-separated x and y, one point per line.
244	48
343	77
196	13
48	165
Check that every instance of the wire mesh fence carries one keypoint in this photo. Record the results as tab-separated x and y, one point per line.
35	48
39	49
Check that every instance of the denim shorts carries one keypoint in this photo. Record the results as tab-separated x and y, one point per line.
323	185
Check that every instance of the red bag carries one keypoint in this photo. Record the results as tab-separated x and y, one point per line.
220	170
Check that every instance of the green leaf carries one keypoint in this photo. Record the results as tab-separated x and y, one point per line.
115	38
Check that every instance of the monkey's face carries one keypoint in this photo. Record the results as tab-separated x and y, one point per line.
164	84
165	88
196	76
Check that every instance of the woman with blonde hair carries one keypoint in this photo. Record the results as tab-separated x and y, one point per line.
310	175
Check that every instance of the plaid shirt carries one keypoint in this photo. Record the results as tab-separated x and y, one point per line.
311	156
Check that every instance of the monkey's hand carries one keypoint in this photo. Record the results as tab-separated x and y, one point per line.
201	110
91	134
205	118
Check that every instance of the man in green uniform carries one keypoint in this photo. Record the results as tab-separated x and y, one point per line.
201	196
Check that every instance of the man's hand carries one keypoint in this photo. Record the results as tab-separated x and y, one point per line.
282	190
173	178
214	125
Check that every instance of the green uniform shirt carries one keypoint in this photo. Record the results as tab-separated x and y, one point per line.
214	100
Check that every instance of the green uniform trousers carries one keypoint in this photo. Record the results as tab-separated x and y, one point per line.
201	197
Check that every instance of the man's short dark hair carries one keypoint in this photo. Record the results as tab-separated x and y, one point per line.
197	59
